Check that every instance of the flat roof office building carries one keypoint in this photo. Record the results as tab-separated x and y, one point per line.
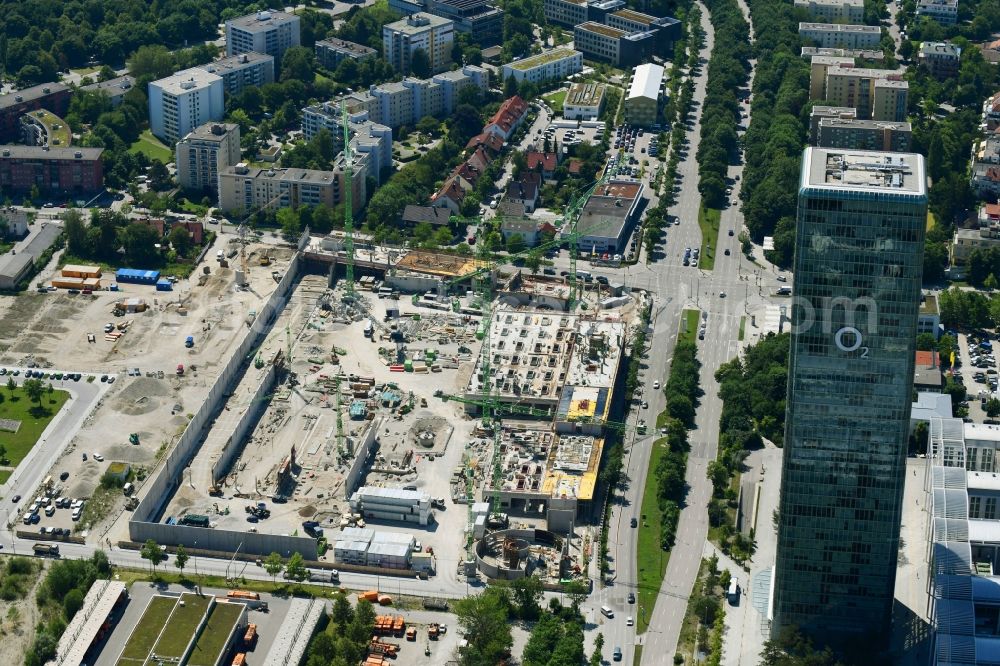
643	100
858	268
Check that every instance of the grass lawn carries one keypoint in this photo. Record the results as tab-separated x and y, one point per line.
84	71
181	626
743	325
689	627
4	475
637	656
220	625
152	148
555	100
689	326
189	206
651	559
148	630
34	419
708	220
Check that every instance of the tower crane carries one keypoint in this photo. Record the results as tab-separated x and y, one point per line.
348	199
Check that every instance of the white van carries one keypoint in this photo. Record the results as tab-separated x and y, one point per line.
77	512
607	612
128	488
219	255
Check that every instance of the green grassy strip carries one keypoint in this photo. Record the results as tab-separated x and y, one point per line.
708	220
651	559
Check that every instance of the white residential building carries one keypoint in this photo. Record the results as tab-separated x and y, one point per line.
269	32
838	35
243	70
183	101
432	34
834	11
944	12
203	153
643	98
558	63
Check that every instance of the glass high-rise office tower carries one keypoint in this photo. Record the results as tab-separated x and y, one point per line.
858	266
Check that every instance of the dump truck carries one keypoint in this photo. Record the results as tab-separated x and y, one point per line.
180	369
369	595
195	520
411	633
432	631
46	549
189	341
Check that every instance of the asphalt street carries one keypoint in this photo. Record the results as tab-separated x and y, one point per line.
84	396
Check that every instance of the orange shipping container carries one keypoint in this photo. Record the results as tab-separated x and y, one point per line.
251	634
240	659
370	595
243	594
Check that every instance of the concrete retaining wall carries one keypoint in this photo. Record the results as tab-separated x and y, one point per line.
361	459
161	487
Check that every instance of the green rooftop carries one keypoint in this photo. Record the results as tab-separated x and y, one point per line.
140	643
55	127
542	59
216	634
181	626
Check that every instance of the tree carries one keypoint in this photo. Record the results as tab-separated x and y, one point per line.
515	243
154	61
342	612
151	551
76	233
288	218
577	589
34	389
926	342
181	558
527	591
533	261
483	618
993	408
946	346
140	244
956	391
180	240
791	648
420	64
429	125
919	437
296	568
273	565
298	64
510	86
72	602
597	658
11	386
990	283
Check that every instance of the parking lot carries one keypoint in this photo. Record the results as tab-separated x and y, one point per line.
979	373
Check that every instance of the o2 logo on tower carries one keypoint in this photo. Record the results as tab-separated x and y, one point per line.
849	339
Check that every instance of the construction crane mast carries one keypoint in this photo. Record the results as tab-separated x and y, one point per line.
348	204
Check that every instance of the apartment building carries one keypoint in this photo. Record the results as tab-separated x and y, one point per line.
853	134
67	170
242	71
597	41
820	112
944	12
558	63
838	35
401	103
243	189
331	52
877	94
204	152
819	65
367	137
875	55
940	58
271	32
52	97
431	34
480	19
834	11
114	89
181	102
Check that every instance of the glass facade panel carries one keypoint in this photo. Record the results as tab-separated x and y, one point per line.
858	264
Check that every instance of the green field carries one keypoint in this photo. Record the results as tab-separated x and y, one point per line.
4	475
651	559
743	325
555	100
689	327
34	419
181	626
213	638
152	148
708	220
140	643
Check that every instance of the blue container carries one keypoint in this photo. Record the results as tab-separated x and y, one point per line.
164	285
